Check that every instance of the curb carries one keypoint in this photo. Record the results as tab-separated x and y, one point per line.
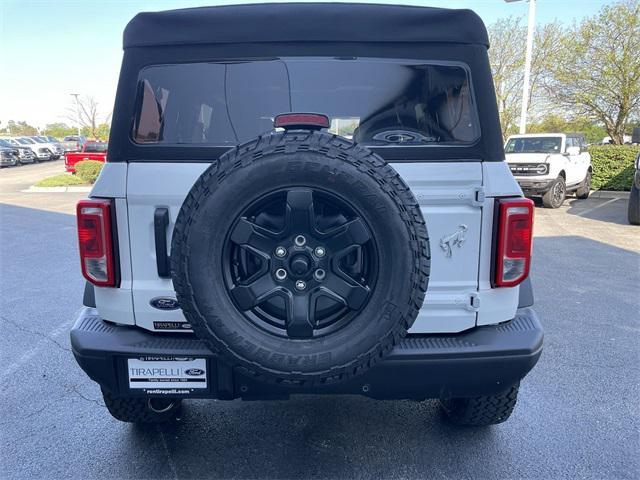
608	194
69	189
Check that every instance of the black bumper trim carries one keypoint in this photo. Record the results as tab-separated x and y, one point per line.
481	361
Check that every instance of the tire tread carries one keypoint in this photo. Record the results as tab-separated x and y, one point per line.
335	147
481	410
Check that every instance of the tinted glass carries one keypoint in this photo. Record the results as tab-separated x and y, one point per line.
376	102
95	147
534	145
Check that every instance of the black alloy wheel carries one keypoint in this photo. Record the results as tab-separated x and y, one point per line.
555	196
300	263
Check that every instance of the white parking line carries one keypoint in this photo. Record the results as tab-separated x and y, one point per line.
589	210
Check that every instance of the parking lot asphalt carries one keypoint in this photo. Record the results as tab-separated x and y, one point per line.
14	180
577	417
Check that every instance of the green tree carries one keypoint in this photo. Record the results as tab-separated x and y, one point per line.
100	132
103	130
597	70
59	130
87	114
506	55
19	128
555	123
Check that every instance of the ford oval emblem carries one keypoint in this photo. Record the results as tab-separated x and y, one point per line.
194	372
164	303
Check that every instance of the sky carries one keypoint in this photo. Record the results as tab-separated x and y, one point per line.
52	48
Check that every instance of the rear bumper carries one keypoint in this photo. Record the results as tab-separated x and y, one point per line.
482	361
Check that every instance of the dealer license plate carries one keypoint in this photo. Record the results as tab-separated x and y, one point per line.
149	373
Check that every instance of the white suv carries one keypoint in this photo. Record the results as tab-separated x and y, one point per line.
41	152
53	145
550	165
236	245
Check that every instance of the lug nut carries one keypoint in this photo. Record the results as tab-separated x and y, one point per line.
319	274
300	240
320	252
281	252
300	285
281	274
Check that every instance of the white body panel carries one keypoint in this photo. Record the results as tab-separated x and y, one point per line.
496	304
149	186
451	195
116	304
447	193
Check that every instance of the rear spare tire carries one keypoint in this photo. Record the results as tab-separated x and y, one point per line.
300	258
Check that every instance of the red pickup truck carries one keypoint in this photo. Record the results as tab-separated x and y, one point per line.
92	150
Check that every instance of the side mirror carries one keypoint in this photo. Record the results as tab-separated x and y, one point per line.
571	151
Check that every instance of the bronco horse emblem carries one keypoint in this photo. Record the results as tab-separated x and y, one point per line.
455	239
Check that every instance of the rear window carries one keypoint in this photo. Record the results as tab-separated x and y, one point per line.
534	145
95	147
377	102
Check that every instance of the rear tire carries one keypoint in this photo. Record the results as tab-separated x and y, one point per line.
481	411
634	206
142	410
554	197
584	189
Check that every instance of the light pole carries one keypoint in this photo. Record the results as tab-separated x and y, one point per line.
527	63
77	110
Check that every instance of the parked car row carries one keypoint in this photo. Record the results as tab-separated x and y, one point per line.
10	155
29	149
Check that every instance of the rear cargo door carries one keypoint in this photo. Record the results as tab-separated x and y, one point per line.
450	195
451	199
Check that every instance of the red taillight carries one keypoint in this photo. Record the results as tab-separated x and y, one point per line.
514	241
96	246
301	120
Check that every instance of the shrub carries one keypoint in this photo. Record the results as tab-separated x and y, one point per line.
613	166
88	170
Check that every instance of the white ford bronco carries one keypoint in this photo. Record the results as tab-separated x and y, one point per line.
550	165
293	206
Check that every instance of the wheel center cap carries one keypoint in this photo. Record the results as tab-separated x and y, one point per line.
300	264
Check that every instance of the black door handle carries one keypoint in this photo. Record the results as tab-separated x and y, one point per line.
160	223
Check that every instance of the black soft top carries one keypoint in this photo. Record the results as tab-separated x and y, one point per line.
305	22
